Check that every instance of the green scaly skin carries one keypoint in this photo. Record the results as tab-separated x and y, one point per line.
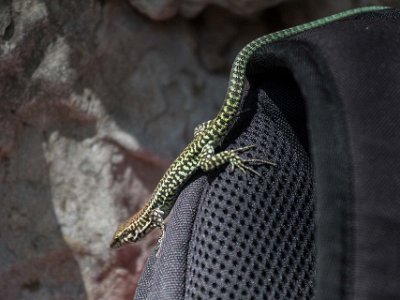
200	152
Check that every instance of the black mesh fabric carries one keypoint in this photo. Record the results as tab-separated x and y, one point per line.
253	236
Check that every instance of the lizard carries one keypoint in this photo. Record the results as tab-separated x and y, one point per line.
200	152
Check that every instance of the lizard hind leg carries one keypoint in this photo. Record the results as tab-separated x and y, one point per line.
210	160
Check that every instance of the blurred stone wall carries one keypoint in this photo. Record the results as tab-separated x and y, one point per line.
97	97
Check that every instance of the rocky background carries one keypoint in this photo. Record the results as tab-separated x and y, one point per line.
97	97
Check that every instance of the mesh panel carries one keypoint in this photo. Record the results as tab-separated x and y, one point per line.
253	236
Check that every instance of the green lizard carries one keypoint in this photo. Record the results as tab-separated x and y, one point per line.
199	154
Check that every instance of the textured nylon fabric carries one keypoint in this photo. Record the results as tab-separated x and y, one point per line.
330	96
365	65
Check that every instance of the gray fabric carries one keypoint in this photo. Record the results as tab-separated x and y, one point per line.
164	276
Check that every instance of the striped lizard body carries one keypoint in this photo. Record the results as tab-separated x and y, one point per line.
199	154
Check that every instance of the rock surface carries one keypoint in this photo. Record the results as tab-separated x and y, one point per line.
96	100
165	9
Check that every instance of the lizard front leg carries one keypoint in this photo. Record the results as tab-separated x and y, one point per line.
158	221
201	127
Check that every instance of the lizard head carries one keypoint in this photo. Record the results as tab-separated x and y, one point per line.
137	226
129	232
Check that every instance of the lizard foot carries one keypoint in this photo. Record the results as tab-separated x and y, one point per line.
210	160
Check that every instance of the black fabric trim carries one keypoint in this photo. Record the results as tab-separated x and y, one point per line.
330	155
